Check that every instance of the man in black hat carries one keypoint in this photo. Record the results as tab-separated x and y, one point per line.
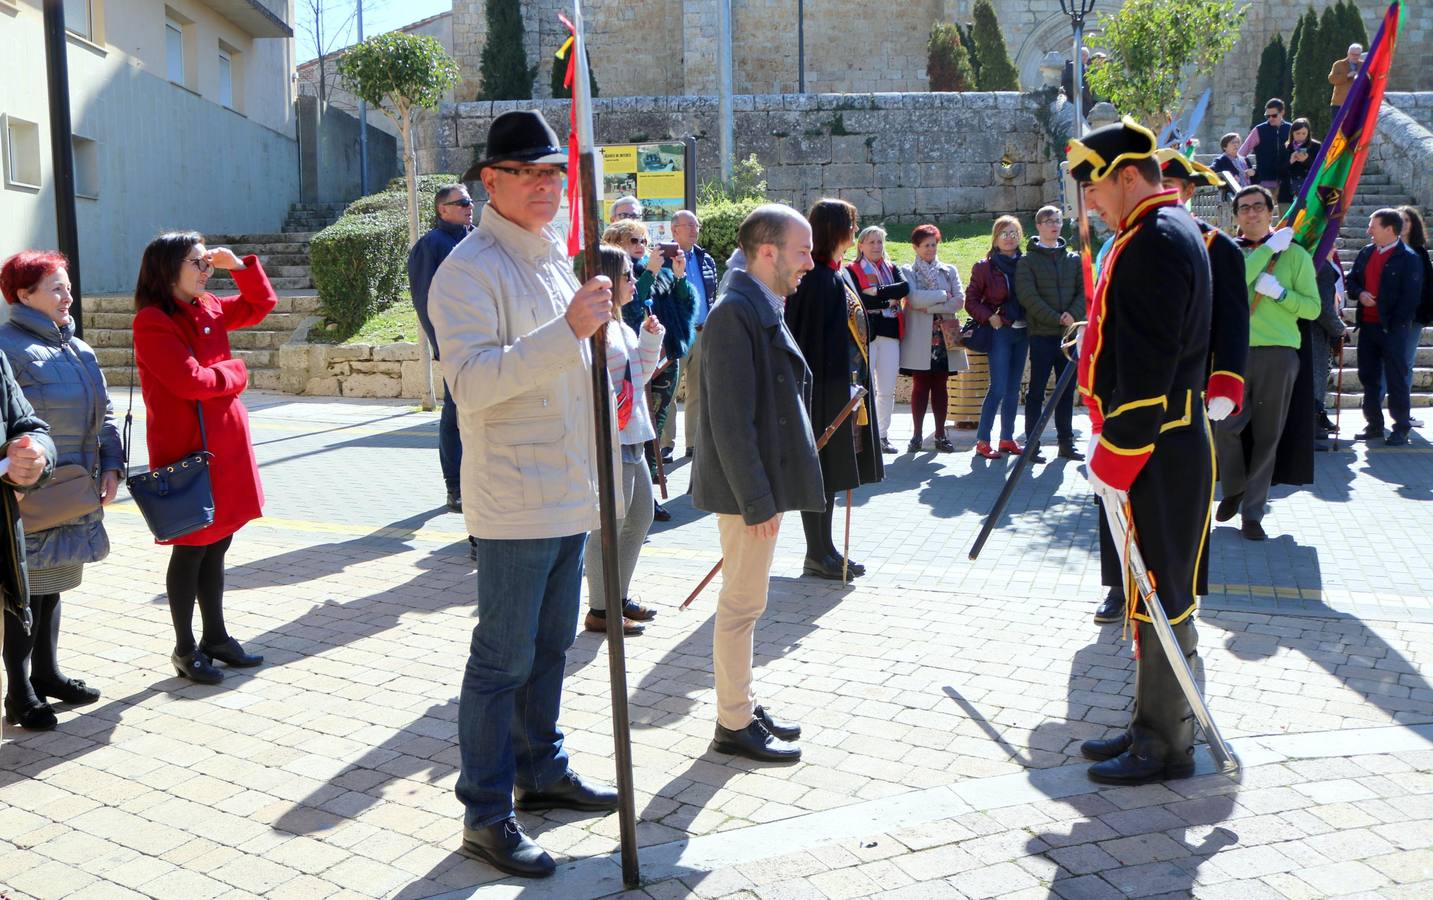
512	323
1143	368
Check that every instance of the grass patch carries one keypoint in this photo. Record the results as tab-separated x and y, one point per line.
398	322
962	244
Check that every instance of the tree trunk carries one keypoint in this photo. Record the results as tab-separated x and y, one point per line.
410	167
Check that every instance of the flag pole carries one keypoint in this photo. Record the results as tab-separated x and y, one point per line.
606	455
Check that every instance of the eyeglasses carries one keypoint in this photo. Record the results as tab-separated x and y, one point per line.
1013	235
1249	207
1051	221
466	201
534	173
201	263
636	241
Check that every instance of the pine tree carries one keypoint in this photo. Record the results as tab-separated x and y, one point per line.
947	62
1310	73
1272	77
995	70
1354	31
967	40
1294	43
503	67
559	75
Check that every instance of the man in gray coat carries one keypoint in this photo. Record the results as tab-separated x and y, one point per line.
757	460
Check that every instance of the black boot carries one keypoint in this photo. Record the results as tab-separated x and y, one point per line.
195	666
505	847
1069	451
45	675
1161	732
1108	748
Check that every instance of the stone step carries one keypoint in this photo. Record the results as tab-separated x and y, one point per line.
305	302
113	329
284	258
1353	401
264	251
264	379
1423	356
273	270
1422	379
258	358
281	237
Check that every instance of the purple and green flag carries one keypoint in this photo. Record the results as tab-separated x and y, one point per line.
1327	194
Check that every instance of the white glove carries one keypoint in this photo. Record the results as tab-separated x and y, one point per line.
1280	240
1106	493
1220	408
1269	286
1090	448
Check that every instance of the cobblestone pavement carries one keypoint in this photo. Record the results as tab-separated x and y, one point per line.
943	702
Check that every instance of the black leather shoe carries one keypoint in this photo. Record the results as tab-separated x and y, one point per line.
754	742
943	445
455	502
660	514
1109	748
635	611
1369	434
31	717
1112	608
1396	438
786	731
667	456
1129	768
1068	451
1228	507
570	792
828	567
231	654
856	569
196	667
505	847
916	445
1252	530
71	690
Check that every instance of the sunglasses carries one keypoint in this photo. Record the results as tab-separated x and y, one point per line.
466	201
639	241
1272	115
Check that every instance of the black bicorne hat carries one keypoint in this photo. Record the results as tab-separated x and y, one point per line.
519	136
1098	153
1173	164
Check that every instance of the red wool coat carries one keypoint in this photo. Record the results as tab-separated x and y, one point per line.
185	358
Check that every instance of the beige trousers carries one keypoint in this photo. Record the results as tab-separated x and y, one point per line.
745	576
692	404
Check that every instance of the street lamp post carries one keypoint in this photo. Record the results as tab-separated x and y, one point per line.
1078	10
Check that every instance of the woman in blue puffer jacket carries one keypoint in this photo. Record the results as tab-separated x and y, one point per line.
61	378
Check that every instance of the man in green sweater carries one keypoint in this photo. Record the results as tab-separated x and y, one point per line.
1282	290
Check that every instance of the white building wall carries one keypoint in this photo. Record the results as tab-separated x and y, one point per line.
167	156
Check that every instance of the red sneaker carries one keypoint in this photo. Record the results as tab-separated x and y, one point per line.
1011	447
982	448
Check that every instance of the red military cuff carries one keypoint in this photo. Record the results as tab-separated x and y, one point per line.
1226	385
1117	468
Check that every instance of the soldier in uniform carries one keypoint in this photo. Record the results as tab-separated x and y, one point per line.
1228	342
1143	368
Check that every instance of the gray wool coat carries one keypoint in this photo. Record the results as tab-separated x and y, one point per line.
61	378
755	453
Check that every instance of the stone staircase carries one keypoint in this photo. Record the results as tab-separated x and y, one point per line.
1375	191
284	254
108	320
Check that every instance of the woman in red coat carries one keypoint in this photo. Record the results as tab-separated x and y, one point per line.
181	347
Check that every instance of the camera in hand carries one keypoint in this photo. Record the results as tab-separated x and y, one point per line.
669	249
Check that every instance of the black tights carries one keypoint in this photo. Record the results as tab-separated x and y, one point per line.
817	526
37	649
197	572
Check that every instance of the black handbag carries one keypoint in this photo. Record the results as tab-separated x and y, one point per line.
977	336
176	499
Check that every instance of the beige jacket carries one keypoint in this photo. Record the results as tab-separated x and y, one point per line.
1341	76
521	381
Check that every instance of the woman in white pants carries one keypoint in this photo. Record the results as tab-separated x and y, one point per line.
883	291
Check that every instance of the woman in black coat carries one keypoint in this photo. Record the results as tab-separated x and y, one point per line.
827	319
1299	155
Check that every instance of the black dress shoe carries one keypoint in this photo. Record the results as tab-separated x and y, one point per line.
505	847
855	568
1112	608
230	653
1396	438
635	611
1369	434
196	667
916	445
1109	748
1228	507
786	731
659	513
754	742
71	690
828	567
943	445
455	502
570	792
1068	451
32	716
1129	768
1252	530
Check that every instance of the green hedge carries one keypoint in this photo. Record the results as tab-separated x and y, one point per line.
720	220
360	265
388	201
427	186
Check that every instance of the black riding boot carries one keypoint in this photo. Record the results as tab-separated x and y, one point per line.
1161	733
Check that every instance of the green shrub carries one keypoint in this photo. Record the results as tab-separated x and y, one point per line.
360	265
388	201
720	220
947	60
427	185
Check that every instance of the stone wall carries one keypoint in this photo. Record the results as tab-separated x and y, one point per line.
1403	145
354	370
894	155
668	47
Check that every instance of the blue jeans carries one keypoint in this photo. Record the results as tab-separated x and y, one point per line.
1046	360
1007	364
450	444
528	597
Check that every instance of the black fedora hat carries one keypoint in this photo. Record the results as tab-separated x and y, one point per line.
522	135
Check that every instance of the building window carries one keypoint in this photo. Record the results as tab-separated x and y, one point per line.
226	79
77	18
22	153
87	167
174	49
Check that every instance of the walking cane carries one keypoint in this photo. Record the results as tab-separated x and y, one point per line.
656	442
846	411
1338	394
606	455
1119	520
